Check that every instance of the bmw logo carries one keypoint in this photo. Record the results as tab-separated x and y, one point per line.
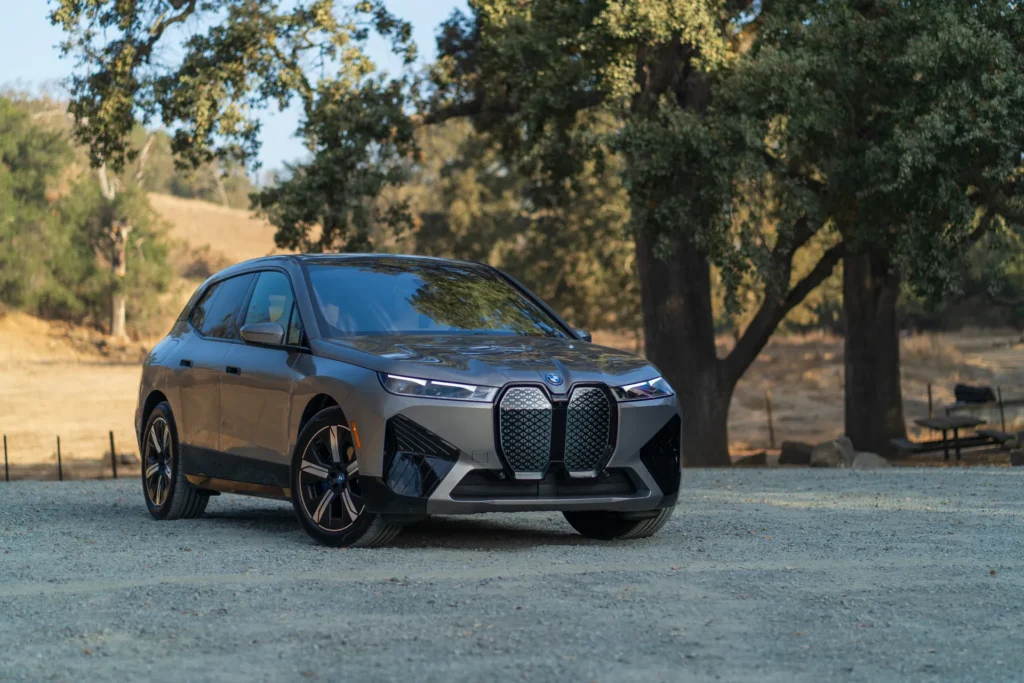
553	378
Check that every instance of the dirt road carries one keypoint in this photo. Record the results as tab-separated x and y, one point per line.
768	575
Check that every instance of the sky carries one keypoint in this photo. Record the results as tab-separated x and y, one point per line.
30	60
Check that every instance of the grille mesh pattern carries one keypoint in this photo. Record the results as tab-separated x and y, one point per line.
587	429
525	427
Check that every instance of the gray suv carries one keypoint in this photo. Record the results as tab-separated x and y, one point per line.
374	390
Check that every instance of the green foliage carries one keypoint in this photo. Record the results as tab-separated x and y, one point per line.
992	290
575	252
31	160
904	118
758	135
251	55
221	182
79	277
54	229
358	139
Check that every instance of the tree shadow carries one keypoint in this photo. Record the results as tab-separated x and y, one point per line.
510	531
472	532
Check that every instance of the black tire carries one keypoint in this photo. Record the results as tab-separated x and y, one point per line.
325	487
605	525
168	494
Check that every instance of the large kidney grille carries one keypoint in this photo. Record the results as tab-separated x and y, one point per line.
526	424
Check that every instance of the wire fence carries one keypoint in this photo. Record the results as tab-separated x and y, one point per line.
53	459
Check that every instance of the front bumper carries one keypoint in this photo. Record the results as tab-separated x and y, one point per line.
433	456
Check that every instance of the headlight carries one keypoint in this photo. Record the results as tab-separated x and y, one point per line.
432	388
652	388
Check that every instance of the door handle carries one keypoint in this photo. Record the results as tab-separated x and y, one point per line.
185	363
232	370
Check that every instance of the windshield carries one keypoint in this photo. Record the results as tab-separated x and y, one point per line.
409	296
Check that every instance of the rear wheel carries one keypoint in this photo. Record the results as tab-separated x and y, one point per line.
605	525
326	491
169	495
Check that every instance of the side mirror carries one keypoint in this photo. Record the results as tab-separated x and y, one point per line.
265	334
583	334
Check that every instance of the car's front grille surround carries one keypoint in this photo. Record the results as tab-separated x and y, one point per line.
538	432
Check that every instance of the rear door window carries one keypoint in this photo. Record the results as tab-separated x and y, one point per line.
216	314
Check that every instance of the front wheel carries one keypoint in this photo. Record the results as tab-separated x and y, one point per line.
605	525
326	491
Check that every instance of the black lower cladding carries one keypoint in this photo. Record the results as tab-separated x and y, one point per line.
415	459
662	456
490	484
204	462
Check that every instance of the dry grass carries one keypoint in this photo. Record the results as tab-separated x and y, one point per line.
235	233
61	380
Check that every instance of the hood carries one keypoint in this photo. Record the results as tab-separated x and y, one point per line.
491	360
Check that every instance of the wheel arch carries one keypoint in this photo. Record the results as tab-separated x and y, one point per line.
155	398
315	404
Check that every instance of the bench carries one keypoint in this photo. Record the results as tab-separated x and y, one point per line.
1004	439
908	446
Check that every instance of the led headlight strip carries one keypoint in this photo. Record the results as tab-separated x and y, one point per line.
432	388
652	388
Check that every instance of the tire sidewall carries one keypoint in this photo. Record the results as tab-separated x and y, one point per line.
162	410
325	418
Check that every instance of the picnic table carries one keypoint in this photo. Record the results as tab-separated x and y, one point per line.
953	423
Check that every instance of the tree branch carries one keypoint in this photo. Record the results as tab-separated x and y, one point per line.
478	106
161	24
773	310
140	171
106	186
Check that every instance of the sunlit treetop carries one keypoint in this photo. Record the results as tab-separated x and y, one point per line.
206	69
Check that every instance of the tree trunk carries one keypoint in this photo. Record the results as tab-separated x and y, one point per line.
118	261
874	401
117	308
679	333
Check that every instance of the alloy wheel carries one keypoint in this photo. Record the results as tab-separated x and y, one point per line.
158	461
329	480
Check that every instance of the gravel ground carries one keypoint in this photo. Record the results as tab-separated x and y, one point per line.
761	574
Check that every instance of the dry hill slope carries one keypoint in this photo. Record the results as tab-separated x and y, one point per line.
234	233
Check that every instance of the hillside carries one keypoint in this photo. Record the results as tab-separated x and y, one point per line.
233	233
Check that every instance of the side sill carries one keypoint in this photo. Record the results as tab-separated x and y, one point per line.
242	487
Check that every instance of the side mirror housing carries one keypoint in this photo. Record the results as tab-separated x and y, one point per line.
264	334
583	335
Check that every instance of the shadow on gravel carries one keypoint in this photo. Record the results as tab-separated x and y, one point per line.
277	520
473	533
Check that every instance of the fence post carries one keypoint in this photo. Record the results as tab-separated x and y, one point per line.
60	467
930	399
771	426
7	473
113	454
1002	415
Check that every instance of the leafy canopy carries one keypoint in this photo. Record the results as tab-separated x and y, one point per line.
902	117
237	58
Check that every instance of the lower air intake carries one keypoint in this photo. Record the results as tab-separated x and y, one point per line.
415	459
662	456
